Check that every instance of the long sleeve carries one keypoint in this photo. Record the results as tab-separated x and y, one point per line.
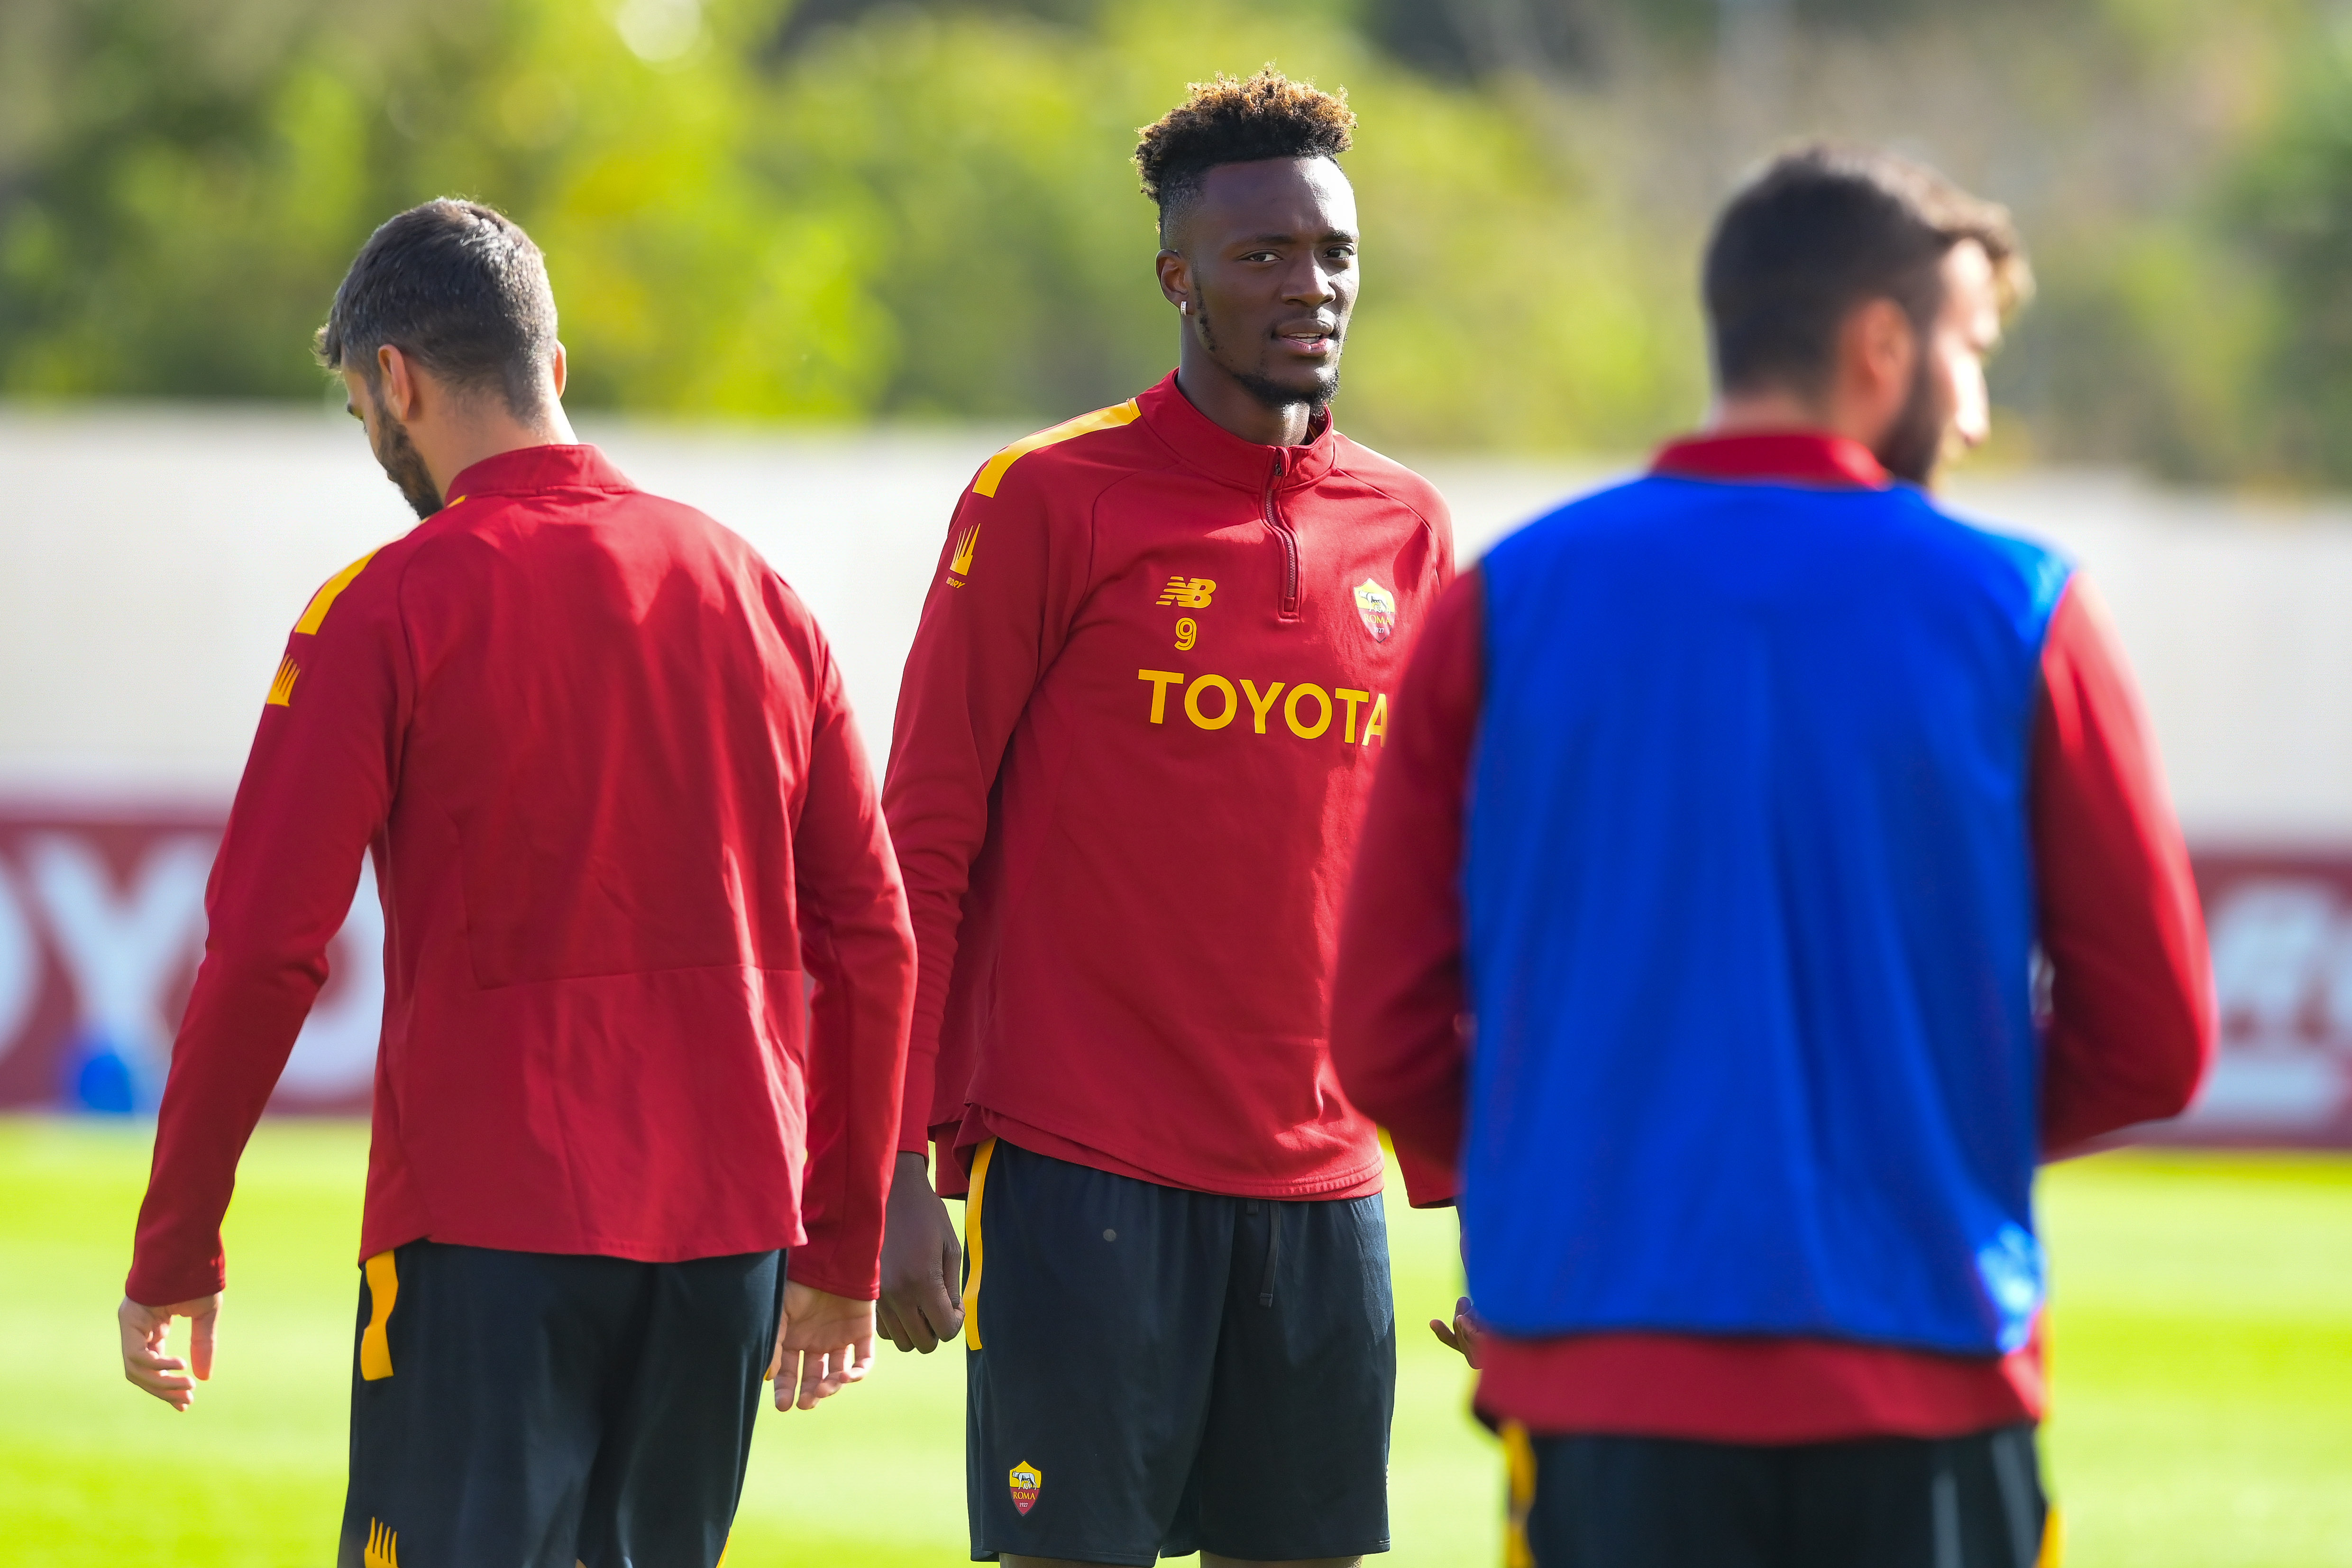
1399	999
315	792
994	622
860	951
2131	1032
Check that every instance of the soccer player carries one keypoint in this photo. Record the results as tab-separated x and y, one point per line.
1727	817
600	755
1153	677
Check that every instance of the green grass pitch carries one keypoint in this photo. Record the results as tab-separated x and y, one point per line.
2202	1353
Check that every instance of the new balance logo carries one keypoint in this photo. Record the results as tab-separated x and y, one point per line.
382	1547
1192	592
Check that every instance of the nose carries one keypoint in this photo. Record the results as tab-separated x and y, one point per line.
1972	411
1310	284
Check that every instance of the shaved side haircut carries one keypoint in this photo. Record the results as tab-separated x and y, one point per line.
1228	120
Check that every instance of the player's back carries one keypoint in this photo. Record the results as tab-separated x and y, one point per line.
1752	912
601	711
613	709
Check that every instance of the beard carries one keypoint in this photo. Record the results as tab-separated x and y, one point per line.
402	465
1269	392
1915	445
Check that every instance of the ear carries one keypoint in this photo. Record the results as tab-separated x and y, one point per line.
1880	351
397	379
1176	279
559	369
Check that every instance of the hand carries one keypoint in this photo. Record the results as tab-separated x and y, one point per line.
1464	1335
920	1262
822	1344
143	1361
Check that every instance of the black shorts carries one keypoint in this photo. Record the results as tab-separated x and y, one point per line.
534	1410
1885	1502
1153	1372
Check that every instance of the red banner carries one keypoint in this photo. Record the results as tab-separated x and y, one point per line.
2280	928
101	925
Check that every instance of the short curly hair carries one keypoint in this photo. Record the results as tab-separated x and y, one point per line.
1228	120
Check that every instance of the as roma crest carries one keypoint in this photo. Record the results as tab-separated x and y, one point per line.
1026	1484
1378	606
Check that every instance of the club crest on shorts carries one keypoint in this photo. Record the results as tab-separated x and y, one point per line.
1378	606
1027	1482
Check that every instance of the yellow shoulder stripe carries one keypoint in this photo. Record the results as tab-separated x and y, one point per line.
1109	418
324	599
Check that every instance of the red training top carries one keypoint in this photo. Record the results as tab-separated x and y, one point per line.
618	811
2130	1032
1135	738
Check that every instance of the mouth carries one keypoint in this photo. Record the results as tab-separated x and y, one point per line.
1311	340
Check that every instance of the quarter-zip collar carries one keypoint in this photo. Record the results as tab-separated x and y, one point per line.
526	470
1216	451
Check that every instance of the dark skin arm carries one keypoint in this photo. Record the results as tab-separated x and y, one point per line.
922	1261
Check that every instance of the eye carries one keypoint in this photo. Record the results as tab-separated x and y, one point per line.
1260	256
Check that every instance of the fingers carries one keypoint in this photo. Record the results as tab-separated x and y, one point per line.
911	1328
861	1355
161	1375
942	1314
146	1366
886	1322
822	1374
1444	1334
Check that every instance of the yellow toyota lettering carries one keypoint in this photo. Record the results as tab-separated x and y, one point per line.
1193	702
1160	680
1351	699
1261	706
1322	703
1377	723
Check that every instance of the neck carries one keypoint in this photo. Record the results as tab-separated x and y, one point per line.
1219	393
486	433
1748	413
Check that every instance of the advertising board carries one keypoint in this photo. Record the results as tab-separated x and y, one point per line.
102	924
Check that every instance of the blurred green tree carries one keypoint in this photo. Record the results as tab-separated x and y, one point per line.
848	209
900	213
2292	202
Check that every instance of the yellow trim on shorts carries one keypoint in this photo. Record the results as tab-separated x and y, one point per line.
375	1344
2053	1540
972	1245
1519	1466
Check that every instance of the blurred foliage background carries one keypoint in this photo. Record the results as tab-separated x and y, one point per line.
840	210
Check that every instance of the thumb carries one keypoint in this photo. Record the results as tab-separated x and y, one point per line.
776	1356
203	1329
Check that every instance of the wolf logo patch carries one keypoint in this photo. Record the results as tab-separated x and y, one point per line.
1026	1484
1378	607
